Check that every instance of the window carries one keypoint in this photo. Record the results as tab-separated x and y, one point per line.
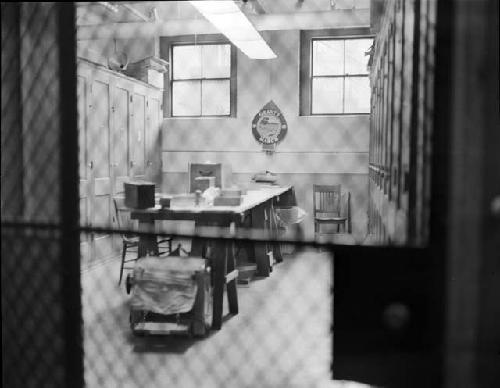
334	74
202	78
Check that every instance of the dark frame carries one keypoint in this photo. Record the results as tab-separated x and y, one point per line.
166	51
306	64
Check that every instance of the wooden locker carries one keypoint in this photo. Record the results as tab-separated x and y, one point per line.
137	138
98	148
120	135
116	114
153	139
82	82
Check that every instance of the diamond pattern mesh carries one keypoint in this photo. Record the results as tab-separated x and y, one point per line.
282	335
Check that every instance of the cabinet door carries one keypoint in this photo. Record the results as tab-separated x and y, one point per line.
153	141
137	138
120	137
98	142
83	164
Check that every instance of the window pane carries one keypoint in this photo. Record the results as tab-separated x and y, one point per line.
216	61
186	97
215	98
328	57
187	62
355	58
357	95
327	95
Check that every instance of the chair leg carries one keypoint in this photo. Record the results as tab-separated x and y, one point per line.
124	252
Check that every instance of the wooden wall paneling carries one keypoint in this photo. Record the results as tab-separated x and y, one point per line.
397	105
414	199
380	92
386	116
408	32
390	107
429	114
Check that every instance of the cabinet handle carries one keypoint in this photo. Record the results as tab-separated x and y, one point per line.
150	163
91	164
132	163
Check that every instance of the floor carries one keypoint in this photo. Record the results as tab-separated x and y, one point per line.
280	338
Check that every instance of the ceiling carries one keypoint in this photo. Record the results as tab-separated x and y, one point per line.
98	13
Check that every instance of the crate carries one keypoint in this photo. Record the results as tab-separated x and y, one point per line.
139	195
149	70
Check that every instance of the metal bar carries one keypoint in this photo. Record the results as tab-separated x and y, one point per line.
264	22
70	239
109	6
136	12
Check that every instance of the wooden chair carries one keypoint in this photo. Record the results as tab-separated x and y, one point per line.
130	240
327	207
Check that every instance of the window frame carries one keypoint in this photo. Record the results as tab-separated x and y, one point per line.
166	52
306	65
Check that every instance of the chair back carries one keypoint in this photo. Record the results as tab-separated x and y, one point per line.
122	214
204	170
327	200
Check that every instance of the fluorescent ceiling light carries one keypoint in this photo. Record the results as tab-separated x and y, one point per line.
230	21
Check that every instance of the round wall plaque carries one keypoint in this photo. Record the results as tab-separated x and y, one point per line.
269	126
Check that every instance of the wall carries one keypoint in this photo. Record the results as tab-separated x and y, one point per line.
321	149
99	50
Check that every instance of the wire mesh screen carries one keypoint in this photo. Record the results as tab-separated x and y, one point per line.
198	153
164	97
32	314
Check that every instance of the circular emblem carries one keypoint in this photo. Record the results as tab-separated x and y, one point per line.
269	126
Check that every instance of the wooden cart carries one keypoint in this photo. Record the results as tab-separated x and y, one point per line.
195	322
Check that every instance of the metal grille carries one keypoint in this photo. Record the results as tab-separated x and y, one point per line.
282	335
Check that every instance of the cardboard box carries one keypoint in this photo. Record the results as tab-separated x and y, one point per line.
149	70
139	194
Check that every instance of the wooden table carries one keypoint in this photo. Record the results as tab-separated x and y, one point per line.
257	206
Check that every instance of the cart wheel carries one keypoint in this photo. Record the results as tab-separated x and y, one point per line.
128	283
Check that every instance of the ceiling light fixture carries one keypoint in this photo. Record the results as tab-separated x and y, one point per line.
230	21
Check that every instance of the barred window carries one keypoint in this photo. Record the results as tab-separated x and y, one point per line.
335	75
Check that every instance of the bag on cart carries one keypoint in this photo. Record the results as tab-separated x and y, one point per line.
171	294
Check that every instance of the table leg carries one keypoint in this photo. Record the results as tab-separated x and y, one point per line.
273	226
232	295
147	243
260	248
198	245
218	259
